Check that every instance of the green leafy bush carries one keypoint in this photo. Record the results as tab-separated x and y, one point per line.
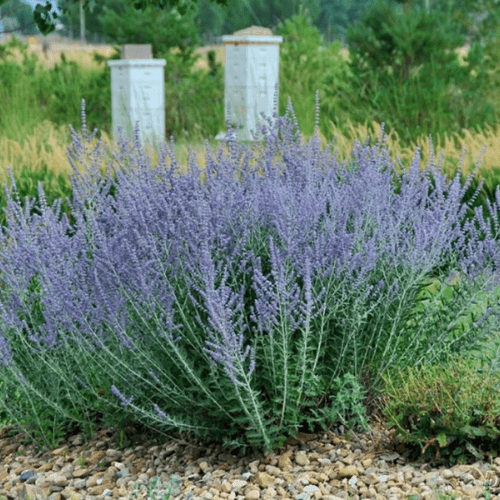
446	413
346	404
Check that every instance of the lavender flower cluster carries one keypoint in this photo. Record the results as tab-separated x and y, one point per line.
238	295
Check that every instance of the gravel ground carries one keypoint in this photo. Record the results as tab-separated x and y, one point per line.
313	466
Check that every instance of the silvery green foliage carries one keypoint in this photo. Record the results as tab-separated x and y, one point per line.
219	305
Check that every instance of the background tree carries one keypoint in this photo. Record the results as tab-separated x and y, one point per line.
211	19
394	39
337	15
475	18
334	15
16	15
45	16
266	13
75	14
72	18
163	29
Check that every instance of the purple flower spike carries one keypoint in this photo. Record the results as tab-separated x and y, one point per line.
125	402
160	413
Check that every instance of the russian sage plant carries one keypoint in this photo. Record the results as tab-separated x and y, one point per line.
226	305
